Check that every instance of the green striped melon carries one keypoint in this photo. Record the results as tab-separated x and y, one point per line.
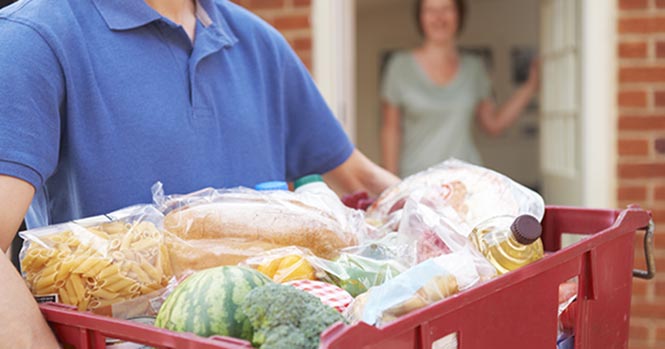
208	303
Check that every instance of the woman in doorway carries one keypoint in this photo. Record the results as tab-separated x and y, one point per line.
432	94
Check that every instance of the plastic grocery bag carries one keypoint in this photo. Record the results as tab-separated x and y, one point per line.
278	218
416	288
99	261
473	192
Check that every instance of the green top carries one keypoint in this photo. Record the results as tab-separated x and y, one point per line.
436	119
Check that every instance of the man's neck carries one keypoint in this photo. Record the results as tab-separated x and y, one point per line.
182	12
175	10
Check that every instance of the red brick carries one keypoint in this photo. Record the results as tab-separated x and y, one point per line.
291	22
659	98
632	4
644	123
660	334
660	3
302	44
302	3
660	49
633	147
639	332
642	74
642	25
648	170
632	193
261	4
640	287
632	99
659	193
659	217
641	308
633	50
660	289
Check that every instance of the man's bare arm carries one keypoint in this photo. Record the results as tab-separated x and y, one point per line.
23	324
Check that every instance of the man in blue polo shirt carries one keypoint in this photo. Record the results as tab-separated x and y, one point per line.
102	98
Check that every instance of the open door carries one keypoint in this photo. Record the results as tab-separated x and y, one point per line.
561	112
578	109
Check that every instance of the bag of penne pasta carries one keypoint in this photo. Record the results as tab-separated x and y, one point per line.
99	261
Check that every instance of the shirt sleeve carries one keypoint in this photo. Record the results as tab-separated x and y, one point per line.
390	83
316	141
32	86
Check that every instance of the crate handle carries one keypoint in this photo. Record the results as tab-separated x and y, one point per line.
648	254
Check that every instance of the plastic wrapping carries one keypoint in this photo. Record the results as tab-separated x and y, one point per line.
474	193
416	288
355	273
99	261
284	264
279	218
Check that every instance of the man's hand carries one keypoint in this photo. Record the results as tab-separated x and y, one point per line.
22	323
358	173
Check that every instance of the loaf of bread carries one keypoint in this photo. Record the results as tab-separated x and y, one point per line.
254	219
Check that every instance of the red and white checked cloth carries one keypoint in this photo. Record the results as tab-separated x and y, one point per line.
329	294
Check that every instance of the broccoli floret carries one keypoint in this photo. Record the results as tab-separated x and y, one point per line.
284	317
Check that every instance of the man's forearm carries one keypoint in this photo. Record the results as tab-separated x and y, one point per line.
22	323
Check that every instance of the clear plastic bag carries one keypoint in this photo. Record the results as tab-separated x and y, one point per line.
355	273
284	264
474	194
279	218
416	288
99	261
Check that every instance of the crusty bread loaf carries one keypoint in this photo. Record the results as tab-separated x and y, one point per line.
292	224
194	255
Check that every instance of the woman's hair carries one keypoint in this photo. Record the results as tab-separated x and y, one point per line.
460	5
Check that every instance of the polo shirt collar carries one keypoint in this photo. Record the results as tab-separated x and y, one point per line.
131	14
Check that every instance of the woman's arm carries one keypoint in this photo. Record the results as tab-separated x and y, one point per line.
391	137
358	173
494	122
22	324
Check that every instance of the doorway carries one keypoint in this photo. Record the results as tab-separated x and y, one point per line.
573	162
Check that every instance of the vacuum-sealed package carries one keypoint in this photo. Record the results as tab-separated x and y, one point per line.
99	261
474	194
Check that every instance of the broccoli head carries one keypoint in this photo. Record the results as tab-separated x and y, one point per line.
284	317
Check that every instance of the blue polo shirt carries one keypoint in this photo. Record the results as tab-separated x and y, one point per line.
102	98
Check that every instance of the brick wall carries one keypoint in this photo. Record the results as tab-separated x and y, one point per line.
291	18
641	148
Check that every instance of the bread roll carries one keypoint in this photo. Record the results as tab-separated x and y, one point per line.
278	223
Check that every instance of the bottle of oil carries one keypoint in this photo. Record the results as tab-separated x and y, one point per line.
509	242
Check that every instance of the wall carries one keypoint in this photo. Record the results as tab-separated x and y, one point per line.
641	148
291	18
497	24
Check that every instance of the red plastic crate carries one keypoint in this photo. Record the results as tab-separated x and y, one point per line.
517	310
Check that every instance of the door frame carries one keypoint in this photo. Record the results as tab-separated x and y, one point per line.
333	25
599	106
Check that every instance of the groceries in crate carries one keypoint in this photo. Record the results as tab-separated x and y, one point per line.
209	303
96	266
330	295
355	273
284	264
567	314
280	218
410	250
283	316
416	288
509	242
473	192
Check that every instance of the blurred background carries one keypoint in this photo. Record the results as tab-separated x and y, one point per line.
594	137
